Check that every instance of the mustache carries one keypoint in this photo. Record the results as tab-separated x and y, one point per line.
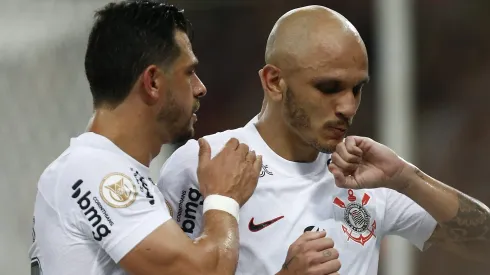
342	124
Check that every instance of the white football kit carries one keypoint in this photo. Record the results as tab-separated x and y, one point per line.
292	198
94	204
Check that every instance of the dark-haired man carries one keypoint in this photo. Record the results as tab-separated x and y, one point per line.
97	211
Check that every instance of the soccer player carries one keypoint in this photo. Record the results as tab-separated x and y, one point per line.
316	66
97	211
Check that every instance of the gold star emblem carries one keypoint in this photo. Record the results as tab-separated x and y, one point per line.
118	191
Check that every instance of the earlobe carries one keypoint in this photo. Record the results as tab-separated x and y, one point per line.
272	82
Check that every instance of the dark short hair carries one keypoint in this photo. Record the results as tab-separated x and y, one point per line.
126	38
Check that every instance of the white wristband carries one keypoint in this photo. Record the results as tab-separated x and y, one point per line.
218	202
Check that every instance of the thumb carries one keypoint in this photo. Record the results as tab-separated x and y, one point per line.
204	151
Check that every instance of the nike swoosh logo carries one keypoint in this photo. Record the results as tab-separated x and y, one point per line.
257	227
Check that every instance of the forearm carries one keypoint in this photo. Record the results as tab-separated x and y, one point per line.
220	242
463	222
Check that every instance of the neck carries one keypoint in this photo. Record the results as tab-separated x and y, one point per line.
283	140
124	128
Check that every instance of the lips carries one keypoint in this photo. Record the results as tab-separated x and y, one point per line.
338	131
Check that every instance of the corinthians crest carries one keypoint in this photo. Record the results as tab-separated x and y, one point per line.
358	220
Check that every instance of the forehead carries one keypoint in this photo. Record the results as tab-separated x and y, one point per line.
344	60
185	46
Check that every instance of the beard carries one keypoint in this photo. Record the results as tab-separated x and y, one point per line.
177	121
299	119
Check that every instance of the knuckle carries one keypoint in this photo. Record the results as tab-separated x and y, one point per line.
335	253
301	248
310	260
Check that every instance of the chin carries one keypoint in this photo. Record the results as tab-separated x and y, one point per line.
184	136
327	146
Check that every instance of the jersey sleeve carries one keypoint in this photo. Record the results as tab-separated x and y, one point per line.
112	203
407	219
179	185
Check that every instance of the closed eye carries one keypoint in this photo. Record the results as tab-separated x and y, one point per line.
329	86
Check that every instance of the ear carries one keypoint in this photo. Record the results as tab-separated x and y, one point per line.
272	82
153	81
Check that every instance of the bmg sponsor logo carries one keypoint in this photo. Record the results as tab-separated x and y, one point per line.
100	230
189	203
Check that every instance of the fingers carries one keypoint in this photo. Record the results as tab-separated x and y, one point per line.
257	165
341	180
349	151
337	174
325	255
329	267
204	150
243	150
232	144
345	167
347	156
251	156
320	244
309	236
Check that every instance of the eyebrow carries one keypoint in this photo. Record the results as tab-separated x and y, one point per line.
193	64
336	81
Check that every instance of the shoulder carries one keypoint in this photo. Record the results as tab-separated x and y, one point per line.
187	154
181	167
96	163
97	171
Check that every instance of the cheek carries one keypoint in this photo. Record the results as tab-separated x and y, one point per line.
321	111
183	94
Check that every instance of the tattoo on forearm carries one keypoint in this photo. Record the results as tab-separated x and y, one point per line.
286	264
469	230
472	223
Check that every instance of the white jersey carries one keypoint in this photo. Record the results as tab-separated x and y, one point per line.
292	198
94	204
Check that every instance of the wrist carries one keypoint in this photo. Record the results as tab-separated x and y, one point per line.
405	178
222	203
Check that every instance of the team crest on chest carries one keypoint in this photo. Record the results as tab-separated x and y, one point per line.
357	219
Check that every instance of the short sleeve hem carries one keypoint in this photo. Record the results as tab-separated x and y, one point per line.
424	231
134	236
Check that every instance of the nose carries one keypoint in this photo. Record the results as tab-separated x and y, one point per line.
347	104
198	87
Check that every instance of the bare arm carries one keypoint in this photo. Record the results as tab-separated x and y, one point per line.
463	222
233	173
167	250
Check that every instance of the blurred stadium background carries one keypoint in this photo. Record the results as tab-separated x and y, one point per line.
430	66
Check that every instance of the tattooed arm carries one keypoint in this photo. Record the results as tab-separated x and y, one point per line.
463	222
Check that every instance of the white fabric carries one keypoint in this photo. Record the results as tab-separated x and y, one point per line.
290	199
218	202
94	204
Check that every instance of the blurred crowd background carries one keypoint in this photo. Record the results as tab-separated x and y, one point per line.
45	100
